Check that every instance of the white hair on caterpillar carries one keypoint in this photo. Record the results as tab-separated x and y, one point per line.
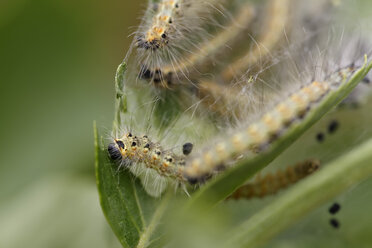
296	85
153	152
269	102
171	29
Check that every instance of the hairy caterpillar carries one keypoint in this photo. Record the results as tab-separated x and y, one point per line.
265	130
303	62
187	67
271	183
171	29
166	26
197	59
130	149
139	153
154	151
248	137
180	71
150	161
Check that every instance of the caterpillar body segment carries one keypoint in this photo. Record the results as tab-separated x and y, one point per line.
271	183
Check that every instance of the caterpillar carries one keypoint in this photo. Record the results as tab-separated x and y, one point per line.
129	150
257	135
146	159
170	29
143	156
271	183
196	60
169	74
167	24
149	160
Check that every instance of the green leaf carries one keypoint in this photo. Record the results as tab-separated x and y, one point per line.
226	183
132	214
310	193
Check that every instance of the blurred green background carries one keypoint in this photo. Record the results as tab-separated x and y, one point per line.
58	60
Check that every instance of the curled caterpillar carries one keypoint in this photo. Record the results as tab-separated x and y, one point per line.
271	183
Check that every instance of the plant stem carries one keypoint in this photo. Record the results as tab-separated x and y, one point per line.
312	192
121	101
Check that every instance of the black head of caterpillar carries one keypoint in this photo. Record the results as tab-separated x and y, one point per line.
120	147
114	150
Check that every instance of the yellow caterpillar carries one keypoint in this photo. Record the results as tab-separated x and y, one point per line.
259	134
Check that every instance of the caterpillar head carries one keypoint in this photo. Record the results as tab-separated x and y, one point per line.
116	150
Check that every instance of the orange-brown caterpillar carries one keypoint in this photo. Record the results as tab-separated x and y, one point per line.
271	183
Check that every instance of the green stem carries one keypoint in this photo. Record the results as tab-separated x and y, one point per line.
160	210
308	194
121	100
